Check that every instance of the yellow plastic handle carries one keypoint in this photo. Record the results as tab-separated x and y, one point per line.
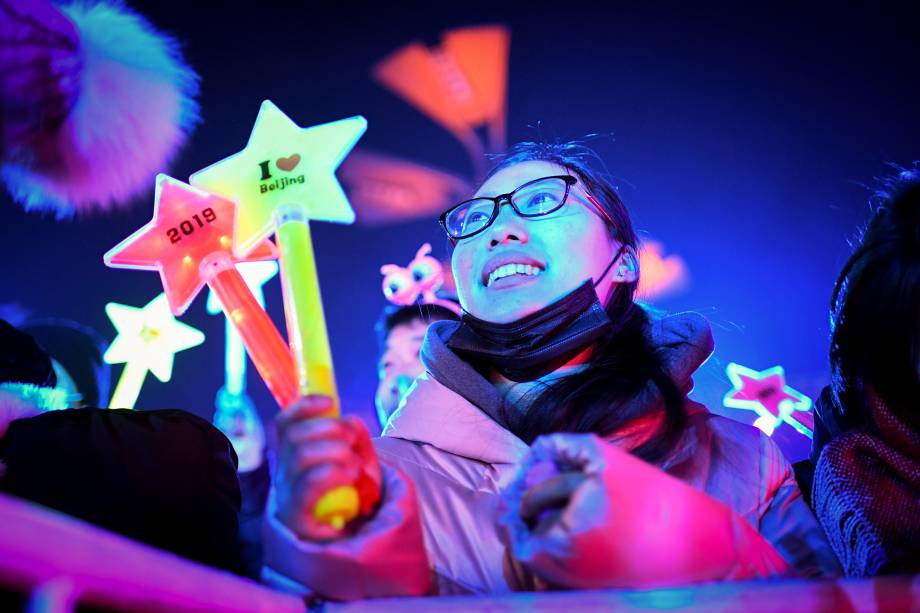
337	507
309	340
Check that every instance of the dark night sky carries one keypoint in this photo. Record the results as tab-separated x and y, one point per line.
743	139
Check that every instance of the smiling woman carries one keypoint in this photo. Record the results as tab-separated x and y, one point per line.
500	248
550	442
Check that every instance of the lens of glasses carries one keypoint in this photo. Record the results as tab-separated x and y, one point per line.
540	197
530	200
469	217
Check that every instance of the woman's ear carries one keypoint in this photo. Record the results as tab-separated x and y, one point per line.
626	270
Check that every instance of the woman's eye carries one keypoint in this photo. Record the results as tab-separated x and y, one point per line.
474	219
539	201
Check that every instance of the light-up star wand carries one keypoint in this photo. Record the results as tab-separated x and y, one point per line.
283	179
148	339
189	242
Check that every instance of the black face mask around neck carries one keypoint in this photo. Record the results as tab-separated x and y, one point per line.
530	347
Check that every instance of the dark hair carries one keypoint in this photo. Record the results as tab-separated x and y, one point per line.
79	350
22	360
875	308
395	315
597	398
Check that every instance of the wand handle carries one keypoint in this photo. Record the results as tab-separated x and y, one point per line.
129	386
303	306
266	347
303	310
234	360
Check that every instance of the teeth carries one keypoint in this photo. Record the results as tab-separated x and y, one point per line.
512	269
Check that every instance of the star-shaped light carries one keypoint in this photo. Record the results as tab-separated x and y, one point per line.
284	164
149	336
188	224
148	340
283	179
766	393
192	229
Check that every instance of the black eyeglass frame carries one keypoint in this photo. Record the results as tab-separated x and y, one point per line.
509	198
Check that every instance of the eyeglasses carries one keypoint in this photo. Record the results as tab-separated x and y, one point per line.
532	199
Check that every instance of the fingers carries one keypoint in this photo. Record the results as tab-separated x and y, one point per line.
319	429
550	494
370	478
361	438
300	437
576	452
311	484
305	491
316	454
305	407
311	455
304	423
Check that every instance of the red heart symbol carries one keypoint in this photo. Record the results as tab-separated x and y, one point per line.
289	163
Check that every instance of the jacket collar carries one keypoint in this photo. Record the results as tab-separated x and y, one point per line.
454	408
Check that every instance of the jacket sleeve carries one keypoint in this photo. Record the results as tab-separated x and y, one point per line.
629	524
385	556
788	523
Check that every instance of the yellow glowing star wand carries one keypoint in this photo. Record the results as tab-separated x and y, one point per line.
284	178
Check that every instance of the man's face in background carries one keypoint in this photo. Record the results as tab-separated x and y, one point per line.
398	366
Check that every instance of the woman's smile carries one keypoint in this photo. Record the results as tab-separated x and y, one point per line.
510	267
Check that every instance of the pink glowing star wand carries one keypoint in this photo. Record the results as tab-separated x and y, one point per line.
189	242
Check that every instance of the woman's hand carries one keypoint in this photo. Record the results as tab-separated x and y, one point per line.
586	514
316	454
547	495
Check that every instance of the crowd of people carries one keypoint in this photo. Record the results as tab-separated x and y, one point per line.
541	439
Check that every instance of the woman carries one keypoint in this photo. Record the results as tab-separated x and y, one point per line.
551	341
866	489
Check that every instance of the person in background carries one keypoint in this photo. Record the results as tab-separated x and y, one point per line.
28	383
237	418
866	450
412	292
76	354
400	332
96	464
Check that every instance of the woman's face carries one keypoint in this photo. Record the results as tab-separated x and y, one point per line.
553	254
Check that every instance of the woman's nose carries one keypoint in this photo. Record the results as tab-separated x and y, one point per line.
508	228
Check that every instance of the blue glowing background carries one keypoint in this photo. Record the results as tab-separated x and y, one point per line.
743	138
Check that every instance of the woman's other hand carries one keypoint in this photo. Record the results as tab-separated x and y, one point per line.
586	514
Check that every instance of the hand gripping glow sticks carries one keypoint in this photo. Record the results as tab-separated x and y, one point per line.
189	242
284	178
148	339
